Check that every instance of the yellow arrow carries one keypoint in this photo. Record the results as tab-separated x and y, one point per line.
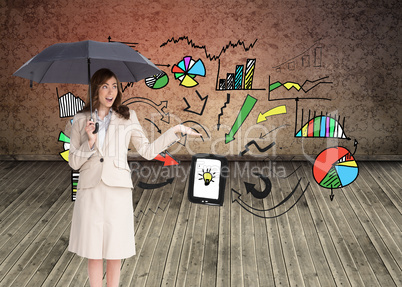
275	111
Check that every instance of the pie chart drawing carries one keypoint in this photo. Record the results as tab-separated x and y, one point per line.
335	168
157	81
186	70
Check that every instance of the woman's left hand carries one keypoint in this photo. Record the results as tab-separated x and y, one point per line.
185	130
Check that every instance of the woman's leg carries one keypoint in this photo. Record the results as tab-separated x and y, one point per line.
95	272
113	272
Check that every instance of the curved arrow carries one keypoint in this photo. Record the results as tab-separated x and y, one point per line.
245	205
195	129
275	111
154	185
159	108
259	194
159	130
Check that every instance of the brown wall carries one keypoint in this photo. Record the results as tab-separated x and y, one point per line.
355	45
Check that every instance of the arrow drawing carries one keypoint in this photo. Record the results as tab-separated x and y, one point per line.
224	106
275	111
159	108
194	122
167	159
355	144
253	210
331	196
154	185
159	130
245	110
259	194
253	142
263	136
205	99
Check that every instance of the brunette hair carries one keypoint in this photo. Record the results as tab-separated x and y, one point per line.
98	79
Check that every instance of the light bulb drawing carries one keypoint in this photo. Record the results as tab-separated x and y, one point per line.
207	176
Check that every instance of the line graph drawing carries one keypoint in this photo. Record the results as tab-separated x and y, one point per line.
306	87
203	47
312	56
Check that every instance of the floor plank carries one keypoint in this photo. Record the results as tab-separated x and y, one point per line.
353	240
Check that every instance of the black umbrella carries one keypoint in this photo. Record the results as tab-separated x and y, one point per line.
73	62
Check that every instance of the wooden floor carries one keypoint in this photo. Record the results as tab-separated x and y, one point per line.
354	240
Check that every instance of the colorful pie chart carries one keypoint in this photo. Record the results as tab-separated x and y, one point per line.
335	168
157	81
187	69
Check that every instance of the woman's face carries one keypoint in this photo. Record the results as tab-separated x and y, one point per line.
107	93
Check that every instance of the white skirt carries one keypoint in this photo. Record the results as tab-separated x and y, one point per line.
103	223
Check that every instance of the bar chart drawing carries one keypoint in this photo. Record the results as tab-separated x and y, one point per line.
241	79
311	57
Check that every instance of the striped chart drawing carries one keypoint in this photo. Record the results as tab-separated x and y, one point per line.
69	104
75	175
157	81
241	79
322	127
249	74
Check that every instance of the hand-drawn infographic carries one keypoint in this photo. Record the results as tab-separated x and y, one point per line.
241	79
202	99
165	116
262	213
157	81
335	167
69	104
186	70
207	55
311	57
245	110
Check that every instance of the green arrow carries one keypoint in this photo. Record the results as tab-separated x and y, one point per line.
241	117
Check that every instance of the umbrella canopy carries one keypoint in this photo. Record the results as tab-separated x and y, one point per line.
74	63
69	63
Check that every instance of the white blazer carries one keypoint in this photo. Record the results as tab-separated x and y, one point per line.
109	164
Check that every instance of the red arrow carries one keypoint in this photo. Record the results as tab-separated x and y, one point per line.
167	159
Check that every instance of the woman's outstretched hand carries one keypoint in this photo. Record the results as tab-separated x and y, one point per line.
185	130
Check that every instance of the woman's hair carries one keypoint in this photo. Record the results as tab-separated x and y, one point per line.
98	79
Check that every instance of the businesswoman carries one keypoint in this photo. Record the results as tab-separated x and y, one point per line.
102	223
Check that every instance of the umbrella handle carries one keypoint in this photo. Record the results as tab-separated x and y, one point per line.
96	128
